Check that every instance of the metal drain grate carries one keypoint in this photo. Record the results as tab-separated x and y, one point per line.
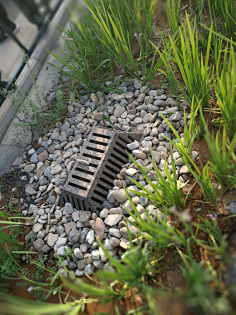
87	185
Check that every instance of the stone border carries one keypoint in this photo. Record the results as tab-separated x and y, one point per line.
24	81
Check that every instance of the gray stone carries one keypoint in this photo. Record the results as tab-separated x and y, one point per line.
84	216
58	214
83	248
61	242
74	236
133	230
45	249
29	190
56	169
38	244
90	238
68	207
95	254
98	264
114	232
113	219
81	264
119	110
63	250
134	145
75	216
120	195
139	154
29	168
147	118
78	253
114	241
69	226
79	273
37	227
52	239
34	158
89	269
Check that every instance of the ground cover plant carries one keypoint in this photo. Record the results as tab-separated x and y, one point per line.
168	234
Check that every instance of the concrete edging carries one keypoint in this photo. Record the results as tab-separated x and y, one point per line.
24	82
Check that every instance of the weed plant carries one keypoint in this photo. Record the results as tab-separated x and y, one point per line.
225	89
106	38
199	280
201	176
10	249
165	193
173	12
227	11
196	72
221	163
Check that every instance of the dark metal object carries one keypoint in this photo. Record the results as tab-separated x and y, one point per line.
42	22
105	152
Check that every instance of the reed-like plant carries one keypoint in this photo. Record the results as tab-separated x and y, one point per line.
227	11
221	161
199	279
165	193
105	39
173	12
191	129
225	89
194	67
201	176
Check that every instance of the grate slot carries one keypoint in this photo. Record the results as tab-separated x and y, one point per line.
92	156
77	186
115	164
109	175
103	188
123	140
83	203
117	158
97	200
121	153
94	149
99	193
106	181
82	170
101	135
81	178
73	201
111	169
131	138
78	204
121	145
98	142
93	165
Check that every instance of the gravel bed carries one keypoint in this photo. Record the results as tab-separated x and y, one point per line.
71	232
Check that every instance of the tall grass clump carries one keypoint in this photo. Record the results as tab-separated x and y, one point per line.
165	193
193	66
173	11
225	89
105	39
222	164
227	11
202	176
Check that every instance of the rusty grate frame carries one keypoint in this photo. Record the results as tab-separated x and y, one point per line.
104	152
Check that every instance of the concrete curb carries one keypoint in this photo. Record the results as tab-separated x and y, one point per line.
24	82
